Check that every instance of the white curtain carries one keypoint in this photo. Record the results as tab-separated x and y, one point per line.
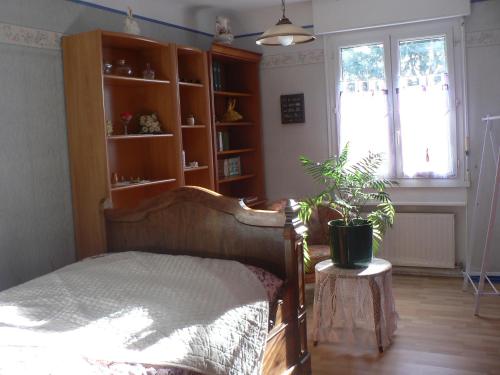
424	112
364	122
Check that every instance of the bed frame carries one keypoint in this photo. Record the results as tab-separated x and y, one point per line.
198	222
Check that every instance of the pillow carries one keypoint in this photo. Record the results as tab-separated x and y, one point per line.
271	283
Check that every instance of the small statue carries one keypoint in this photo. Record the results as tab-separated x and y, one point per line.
109	127
223	32
231	115
131	25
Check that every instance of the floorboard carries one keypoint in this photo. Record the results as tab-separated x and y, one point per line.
437	334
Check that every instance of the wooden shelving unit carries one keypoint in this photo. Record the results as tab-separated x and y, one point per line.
97	159
235	75
194	97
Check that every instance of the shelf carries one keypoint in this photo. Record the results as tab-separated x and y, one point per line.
138	136
190	84
234	123
231	93
200	168
193	126
143	184
239	151
132	81
226	180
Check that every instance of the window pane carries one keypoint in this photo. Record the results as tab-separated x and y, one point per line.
424	109
363	104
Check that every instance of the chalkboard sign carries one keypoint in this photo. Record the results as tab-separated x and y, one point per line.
292	109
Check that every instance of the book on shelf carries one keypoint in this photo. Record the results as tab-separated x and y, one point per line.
222	140
229	167
216	67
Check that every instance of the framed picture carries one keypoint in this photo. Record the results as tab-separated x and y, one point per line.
292	109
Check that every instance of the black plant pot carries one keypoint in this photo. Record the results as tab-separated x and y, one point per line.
351	245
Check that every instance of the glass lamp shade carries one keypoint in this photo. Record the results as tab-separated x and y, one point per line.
284	33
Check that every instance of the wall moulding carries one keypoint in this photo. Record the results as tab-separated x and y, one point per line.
29	37
483	38
312	56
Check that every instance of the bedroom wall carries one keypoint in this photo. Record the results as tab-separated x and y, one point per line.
301	69
36	227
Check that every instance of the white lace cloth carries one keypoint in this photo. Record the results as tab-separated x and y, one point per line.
354	307
139	310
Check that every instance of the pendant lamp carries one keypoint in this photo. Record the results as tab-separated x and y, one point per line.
284	33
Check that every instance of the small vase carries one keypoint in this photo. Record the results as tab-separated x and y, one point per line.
148	73
123	69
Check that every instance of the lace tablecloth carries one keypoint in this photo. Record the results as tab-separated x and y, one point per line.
354	307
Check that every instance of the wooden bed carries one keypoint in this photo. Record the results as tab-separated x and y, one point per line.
198	222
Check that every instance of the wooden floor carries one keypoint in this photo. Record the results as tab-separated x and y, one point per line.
437	334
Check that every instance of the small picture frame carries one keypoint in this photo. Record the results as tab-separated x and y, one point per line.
292	109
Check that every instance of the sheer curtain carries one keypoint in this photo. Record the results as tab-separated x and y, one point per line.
364	121
424	114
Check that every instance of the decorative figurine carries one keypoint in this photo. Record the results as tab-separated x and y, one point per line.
109	127
131	25
223	32
190	120
231	115
148	73
150	124
126	117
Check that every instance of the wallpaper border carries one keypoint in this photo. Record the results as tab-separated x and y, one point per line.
29	37
483	38
311	56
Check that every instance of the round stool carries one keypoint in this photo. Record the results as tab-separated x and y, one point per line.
346	301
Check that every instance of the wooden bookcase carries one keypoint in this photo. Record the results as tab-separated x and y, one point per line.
194	96
235	76
148	163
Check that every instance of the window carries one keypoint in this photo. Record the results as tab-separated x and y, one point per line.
394	94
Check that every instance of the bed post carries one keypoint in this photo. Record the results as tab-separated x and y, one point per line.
294	241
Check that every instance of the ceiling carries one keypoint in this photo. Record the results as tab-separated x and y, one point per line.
235	4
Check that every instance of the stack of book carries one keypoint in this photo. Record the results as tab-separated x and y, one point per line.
217	75
229	167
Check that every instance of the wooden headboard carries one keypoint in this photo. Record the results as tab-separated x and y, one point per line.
198	222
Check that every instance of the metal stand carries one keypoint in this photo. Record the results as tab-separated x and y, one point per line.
495	150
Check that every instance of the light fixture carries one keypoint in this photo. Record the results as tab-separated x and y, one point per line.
284	33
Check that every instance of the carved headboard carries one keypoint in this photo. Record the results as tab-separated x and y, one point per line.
198	222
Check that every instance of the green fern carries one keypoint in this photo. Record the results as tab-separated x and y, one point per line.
348	189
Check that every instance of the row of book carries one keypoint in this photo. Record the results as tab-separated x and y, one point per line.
222	140
229	167
217	75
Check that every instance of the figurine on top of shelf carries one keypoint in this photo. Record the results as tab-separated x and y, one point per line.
231	115
131	25
223	32
150	124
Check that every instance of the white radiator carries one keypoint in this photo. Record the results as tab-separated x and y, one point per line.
420	240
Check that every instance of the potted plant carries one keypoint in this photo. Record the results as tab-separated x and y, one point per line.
350	189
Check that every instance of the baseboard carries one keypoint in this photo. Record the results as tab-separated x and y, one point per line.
427	271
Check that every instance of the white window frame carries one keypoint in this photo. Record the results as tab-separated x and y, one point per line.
390	37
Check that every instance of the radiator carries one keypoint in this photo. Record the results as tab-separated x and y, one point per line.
420	240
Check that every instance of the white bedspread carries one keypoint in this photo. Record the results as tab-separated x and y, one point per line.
200	314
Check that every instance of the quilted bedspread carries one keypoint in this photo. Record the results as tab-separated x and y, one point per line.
138	310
